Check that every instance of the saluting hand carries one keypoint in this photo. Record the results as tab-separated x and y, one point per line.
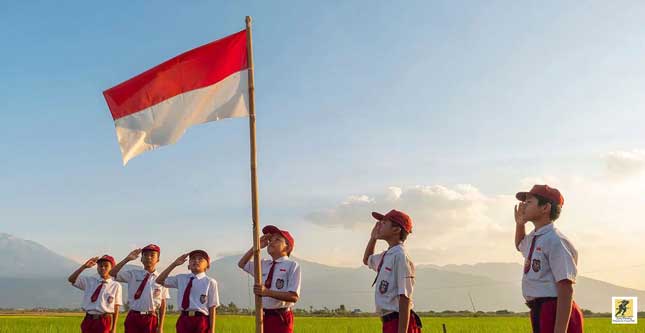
134	254
259	289
375	229
90	262
181	259
519	213
264	240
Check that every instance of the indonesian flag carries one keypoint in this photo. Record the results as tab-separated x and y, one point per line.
205	84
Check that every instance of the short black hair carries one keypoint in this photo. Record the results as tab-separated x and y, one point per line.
403	235
556	209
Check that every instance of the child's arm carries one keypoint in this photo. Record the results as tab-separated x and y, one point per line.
371	244
404	313
287	296
264	241
563	307
520	222
89	263
212	312
132	256
179	261
162	315
115	318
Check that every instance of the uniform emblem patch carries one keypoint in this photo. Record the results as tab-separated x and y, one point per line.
382	287
279	283
110	299
157	292
536	265
202	299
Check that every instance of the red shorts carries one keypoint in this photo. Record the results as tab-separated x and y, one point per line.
392	325
278	322
102	324
196	324
135	322
543	317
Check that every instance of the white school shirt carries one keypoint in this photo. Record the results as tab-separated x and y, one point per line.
109	296
396	278
203	293
152	294
286	277
554	259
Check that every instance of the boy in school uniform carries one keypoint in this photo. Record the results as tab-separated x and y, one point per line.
280	288
101	297
394	273
146	298
197	297
550	266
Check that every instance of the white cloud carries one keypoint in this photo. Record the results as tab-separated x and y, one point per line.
625	163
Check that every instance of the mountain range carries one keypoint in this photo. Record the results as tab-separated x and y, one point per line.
32	276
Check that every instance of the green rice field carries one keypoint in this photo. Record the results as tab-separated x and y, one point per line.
68	323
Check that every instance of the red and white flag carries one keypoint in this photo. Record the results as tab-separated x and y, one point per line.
205	84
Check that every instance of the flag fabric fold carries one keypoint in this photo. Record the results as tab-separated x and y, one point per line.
156	107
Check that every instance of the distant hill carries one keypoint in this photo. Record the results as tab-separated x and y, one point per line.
491	286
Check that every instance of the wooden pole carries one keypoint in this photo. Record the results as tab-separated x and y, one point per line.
254	179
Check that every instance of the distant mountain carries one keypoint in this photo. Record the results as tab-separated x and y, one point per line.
28	259
490	286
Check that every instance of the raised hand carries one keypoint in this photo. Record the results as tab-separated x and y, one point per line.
133	255
181	259
264	240
519	213
90	262
375	229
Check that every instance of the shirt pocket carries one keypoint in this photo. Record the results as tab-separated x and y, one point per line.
281	280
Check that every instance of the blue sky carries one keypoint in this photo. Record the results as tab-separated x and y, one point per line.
352	98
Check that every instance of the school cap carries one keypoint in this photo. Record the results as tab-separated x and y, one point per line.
398	217
151	247
544	191
107	258
271	229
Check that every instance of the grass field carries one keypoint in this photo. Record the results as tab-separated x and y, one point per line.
69	323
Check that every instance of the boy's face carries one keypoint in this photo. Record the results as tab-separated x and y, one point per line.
387	229
103	268
277	245
197	264
149	258
532	211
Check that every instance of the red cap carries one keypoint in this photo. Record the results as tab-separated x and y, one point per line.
201	253
544	191
151	247
398	217
271	229
108	259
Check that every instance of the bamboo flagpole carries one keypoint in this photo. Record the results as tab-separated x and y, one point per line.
254	181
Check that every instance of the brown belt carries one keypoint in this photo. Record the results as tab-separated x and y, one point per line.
145	313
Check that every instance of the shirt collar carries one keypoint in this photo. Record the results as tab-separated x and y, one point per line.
100	279
545	229
199	276
281	259
396	248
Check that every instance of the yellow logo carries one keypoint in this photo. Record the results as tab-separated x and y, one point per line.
624	310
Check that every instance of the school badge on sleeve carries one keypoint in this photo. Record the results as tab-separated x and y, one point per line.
202	299
279	283
382	287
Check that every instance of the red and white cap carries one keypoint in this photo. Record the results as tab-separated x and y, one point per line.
107	258
151	247
544	191
398	217
271	229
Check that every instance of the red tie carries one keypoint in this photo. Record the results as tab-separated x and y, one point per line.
137	294
185	300
95	295
267	283
378	269
527	264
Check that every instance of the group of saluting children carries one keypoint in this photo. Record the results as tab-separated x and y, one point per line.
549	272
